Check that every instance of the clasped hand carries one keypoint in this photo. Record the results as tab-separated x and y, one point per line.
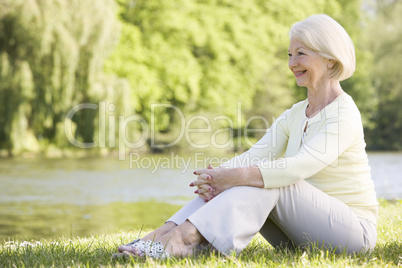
213	181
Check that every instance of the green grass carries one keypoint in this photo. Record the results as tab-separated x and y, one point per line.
96	251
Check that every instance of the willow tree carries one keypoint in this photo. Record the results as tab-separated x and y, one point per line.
51	58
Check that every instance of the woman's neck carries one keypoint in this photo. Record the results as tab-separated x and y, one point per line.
318	98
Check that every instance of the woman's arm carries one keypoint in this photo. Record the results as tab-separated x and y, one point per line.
242	169
320	151
221	179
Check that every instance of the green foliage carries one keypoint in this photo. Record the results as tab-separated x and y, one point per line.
384	39
205	58
51	58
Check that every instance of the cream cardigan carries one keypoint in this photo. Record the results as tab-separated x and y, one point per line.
330	154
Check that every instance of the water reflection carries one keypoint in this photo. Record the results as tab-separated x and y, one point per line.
90	182
30	220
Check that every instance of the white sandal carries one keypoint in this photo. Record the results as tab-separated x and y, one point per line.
155	250
151	249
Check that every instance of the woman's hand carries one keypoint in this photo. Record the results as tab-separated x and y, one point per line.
204	190
211	182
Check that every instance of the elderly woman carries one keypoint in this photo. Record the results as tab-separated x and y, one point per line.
317	190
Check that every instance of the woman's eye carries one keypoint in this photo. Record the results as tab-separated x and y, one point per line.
300	53
290	55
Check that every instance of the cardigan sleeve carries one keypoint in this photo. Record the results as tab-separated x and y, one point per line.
321	150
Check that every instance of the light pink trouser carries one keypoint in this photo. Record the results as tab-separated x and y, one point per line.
293	215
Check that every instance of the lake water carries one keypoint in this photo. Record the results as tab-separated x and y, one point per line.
79	197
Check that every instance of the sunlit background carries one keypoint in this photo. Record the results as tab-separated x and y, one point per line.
85	83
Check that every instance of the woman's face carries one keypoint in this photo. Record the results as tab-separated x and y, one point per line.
310	69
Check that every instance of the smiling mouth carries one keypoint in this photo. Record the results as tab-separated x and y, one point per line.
297	74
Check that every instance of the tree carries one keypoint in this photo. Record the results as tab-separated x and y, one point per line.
176	60
51	58
204	57
384	39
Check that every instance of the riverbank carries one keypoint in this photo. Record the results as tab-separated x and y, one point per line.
96	251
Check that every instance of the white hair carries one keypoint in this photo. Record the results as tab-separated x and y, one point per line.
323	34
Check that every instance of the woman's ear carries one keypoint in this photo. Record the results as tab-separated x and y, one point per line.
331	63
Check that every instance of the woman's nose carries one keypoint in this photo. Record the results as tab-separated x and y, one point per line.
292	62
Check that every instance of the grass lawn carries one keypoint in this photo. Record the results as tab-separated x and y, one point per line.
96	251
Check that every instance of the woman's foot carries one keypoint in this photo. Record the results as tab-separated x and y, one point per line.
153	236
180	241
